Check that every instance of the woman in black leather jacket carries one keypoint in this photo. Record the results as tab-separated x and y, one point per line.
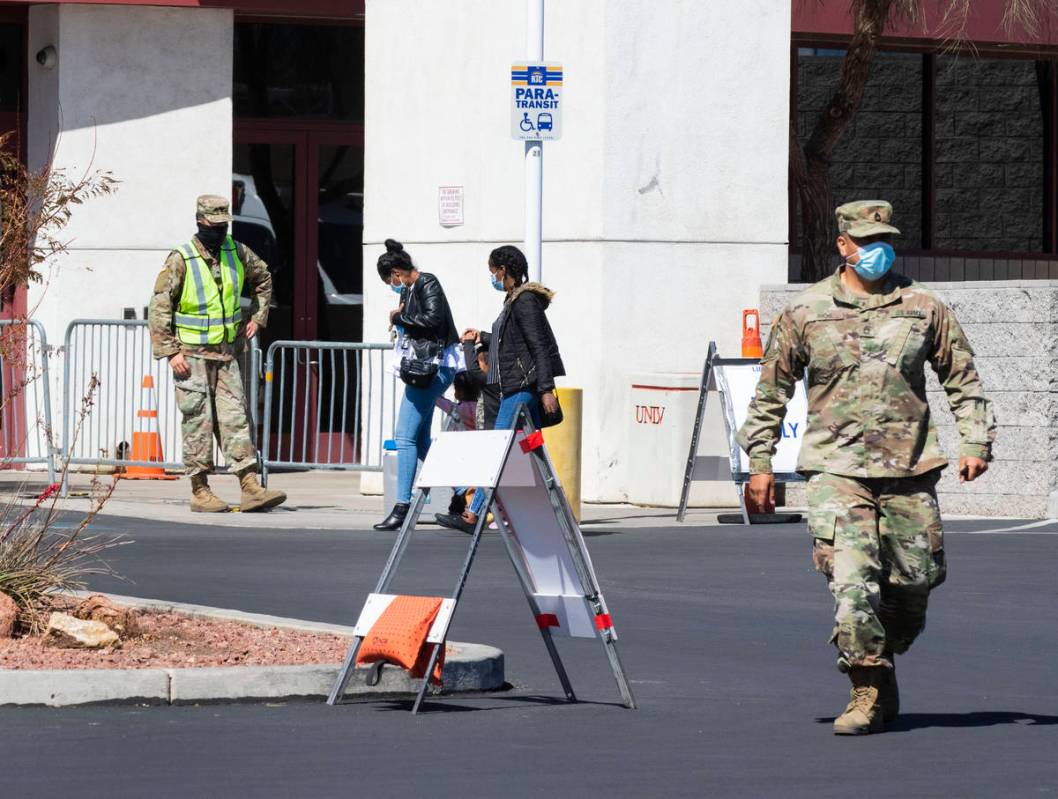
423	314
523	355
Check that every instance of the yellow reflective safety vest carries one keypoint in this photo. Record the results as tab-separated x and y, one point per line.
207	315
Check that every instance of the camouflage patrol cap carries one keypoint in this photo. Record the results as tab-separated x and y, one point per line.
865	218
213	209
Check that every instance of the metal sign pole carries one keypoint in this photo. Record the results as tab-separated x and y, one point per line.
534	156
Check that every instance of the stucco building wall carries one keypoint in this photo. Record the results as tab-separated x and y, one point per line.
665	201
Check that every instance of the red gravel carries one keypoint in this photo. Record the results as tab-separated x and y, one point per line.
172	640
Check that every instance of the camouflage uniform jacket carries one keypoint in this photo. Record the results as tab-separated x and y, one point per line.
166	299
865	359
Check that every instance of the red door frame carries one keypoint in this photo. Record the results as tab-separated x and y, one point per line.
306	137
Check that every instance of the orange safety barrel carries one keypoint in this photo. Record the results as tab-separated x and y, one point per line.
399	636
751	346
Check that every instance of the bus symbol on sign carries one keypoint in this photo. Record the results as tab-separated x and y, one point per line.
536	101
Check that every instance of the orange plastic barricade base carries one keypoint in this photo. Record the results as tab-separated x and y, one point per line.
399	636
147	447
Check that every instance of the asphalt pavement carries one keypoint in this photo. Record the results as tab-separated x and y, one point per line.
722	630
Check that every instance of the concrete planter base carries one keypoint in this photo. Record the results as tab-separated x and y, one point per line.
468	667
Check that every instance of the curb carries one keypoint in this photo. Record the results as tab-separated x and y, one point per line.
468	667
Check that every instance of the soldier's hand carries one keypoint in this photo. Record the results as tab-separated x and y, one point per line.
971	468
250	330
181	368
762	491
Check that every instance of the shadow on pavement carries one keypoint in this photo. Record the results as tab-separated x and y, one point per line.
442	705
978	718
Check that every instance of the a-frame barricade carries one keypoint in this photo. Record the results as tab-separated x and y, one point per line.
735	380
538	529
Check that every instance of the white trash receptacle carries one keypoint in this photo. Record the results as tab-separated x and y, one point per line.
661	410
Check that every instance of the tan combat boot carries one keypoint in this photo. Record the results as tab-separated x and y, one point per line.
863	714
202	499
254	497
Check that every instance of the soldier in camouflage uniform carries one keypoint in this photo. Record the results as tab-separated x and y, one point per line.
861	338
195	322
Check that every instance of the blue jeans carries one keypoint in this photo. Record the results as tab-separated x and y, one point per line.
413	428
504	419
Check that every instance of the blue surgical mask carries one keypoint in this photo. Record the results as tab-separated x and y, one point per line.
497	282
396	289
876	260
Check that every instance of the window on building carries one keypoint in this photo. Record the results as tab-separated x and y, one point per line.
989	155
295	70
881	152
961	145
11	65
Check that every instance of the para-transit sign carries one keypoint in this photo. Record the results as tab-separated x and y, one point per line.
536	101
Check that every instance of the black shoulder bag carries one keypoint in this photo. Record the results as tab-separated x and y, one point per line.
419	366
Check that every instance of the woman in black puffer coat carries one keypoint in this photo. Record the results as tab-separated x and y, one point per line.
523	355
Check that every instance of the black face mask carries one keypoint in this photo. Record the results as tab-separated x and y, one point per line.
212	235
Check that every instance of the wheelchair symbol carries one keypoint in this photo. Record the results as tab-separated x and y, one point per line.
526	124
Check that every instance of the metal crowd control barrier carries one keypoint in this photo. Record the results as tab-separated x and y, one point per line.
332	402
117	353
26	433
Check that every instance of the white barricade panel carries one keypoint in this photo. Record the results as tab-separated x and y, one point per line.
376	605
466	458
738	382
535	531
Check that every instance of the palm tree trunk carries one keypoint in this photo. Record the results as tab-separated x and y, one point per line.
810	163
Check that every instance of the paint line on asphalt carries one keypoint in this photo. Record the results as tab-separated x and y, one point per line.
1030	528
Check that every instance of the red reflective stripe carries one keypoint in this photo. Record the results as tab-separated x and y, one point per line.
667	388
603	621
532	441
147	414
545	620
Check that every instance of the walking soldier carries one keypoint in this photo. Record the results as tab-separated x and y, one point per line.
196	322
862	338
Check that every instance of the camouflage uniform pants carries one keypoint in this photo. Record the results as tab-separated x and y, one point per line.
879	543
213	403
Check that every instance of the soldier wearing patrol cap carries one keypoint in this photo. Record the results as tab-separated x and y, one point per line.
861	339
196	322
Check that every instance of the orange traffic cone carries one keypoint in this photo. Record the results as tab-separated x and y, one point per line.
751	346
147	442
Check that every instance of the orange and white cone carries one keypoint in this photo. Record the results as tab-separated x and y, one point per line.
146	441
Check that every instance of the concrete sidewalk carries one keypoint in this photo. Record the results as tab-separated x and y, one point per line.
316	501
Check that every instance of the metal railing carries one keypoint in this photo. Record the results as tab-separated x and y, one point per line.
26	433
326	405
98	421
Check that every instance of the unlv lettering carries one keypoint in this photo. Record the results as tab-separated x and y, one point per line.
650	414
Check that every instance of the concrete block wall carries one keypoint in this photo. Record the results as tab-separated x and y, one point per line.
1013	328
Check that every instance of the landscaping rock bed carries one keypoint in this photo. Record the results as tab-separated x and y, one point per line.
174	640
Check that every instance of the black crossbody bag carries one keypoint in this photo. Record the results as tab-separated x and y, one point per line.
419	366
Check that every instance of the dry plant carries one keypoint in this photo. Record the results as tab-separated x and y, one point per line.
37	205
871	19
39	557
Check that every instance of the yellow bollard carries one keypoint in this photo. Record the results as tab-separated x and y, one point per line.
564	442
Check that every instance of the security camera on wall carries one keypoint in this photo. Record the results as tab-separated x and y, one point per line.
47	57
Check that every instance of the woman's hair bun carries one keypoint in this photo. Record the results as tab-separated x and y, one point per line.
392	245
